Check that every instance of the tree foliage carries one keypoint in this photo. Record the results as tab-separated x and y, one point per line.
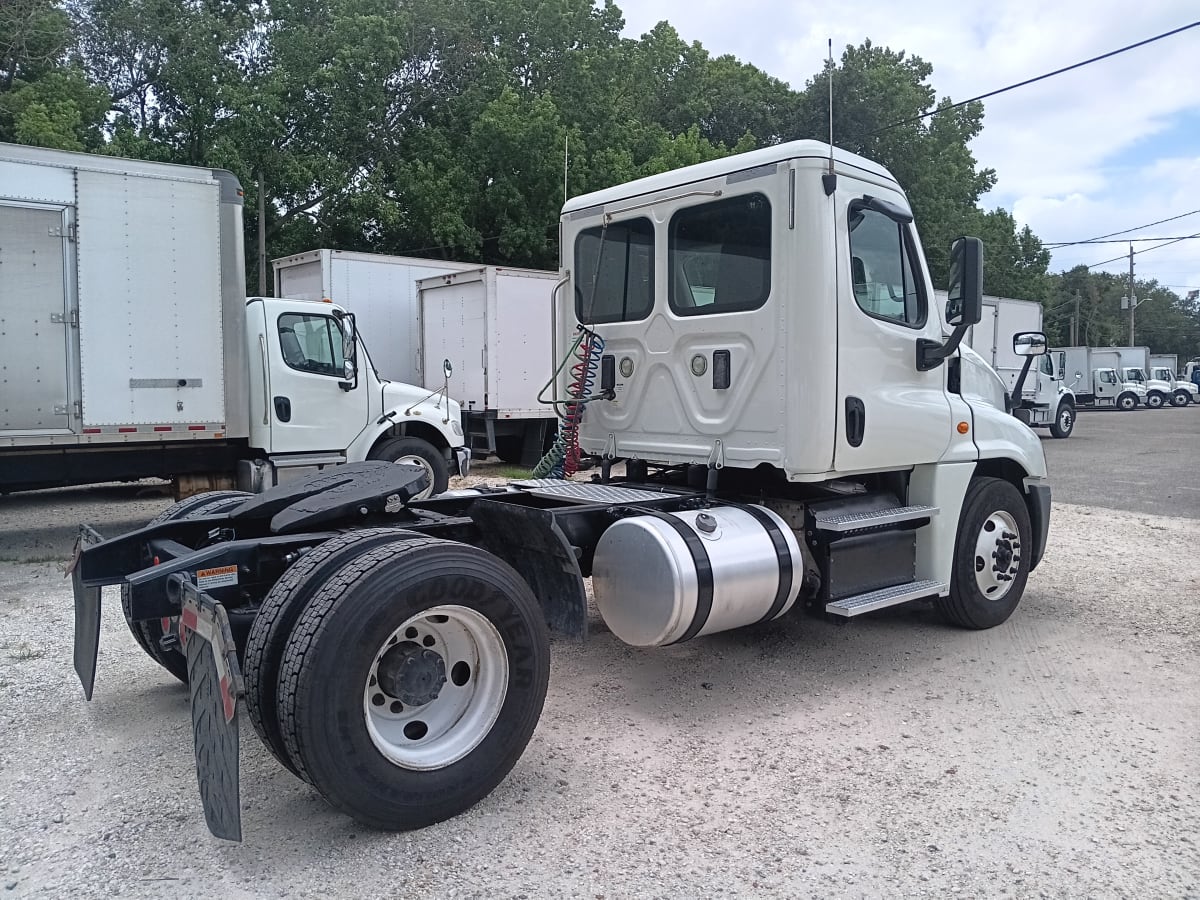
453	128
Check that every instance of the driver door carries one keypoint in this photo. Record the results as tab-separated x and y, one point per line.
309	409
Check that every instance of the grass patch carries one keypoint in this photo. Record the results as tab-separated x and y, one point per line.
514	473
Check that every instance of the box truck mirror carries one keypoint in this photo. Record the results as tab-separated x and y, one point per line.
447	369
964	303
1029	343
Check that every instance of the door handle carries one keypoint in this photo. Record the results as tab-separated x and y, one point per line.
283	409
856	421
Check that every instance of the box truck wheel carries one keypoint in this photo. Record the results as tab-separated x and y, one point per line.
1155	400
1127	401
413	681
1064	422
278	614
991	555
1181	398
416	452
149	632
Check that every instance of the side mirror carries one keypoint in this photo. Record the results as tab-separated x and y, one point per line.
349	345
348	368
964	303
349	351
447	369
1029	343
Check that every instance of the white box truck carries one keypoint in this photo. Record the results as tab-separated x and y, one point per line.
1094	374
380	290
494	325
790	443
1165	367
1135	369
128	347
1050	404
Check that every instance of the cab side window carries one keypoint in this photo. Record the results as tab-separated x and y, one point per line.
1046	366
883	269
312	343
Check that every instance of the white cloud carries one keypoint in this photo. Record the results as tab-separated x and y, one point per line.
1103	148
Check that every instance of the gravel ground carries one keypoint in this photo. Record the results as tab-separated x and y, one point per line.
1054	756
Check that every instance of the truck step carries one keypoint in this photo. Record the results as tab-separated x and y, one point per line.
889	596
841	523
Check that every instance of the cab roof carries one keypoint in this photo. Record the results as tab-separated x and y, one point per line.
728	165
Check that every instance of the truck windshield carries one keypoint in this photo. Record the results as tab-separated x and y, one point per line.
1162	374
614	272
1135	375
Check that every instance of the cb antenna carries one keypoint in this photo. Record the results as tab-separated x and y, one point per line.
829	179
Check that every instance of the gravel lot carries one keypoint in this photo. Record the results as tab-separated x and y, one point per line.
1055	756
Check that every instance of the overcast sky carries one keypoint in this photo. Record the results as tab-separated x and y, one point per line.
1104	148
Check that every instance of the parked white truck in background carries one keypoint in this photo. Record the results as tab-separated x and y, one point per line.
1095	378
129	348
1134	369
494	326
1164	367
492	323
1050	404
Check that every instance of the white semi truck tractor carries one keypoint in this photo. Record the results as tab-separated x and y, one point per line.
756	339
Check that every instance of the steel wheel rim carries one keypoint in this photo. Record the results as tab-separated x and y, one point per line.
1128	403
413	460
446	727
997	555
1154	401
1065	420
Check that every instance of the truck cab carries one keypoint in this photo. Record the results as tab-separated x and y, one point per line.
316	400
1182	392
1158	391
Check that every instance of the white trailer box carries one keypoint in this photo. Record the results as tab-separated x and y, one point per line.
381	292
493	325
992	337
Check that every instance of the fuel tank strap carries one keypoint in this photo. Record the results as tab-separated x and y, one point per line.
782	553
704	572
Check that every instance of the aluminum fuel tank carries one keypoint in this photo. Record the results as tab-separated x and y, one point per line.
662	578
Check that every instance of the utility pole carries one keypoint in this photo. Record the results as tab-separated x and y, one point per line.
262	237
1132	299
1075	323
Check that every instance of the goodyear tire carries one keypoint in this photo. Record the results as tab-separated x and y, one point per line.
149	632
413	681
417	452
273	624
992	553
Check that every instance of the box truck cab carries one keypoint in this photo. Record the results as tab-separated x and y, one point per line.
1182	392
1094	375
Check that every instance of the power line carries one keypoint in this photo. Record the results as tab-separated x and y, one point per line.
1147	250
1058	245
1086	62
1139	227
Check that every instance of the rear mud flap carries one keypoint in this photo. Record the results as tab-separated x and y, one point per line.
87	614
216	685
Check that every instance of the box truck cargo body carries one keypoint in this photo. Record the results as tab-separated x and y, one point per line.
494	325
126	346
380	290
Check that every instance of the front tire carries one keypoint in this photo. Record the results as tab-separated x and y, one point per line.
991	556
1156	400
417	452
413	681
1064	422
1181	399
1127	401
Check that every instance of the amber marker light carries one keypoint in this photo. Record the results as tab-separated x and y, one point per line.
963	427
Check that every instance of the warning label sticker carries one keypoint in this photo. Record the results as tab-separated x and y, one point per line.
222	576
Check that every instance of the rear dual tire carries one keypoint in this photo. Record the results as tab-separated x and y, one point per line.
409	682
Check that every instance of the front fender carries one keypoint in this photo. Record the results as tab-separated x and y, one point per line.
424	421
